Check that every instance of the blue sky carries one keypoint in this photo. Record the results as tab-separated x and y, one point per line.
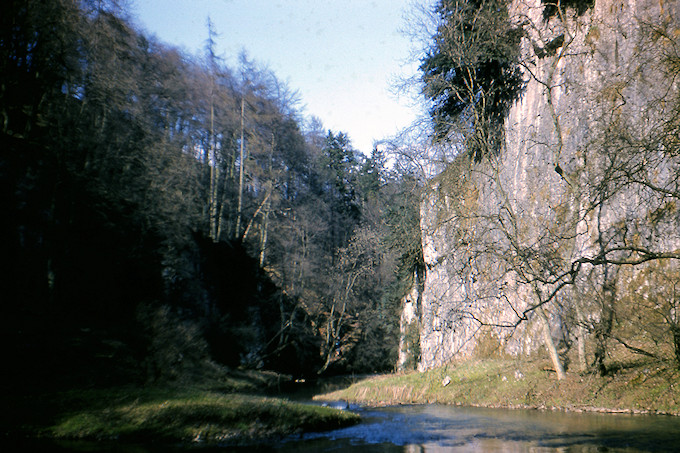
343	56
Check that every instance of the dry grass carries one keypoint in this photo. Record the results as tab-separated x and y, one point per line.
643	387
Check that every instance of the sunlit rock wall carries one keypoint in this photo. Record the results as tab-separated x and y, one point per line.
538	193
409	327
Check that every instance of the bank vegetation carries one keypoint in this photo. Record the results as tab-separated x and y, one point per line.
638	386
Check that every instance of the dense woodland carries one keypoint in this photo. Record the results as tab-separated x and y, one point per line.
167	216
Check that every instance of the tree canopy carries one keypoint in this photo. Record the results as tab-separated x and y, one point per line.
471	72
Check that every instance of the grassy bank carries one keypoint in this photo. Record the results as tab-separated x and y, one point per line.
643	387
165	415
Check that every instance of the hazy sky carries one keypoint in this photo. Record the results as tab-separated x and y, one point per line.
341	55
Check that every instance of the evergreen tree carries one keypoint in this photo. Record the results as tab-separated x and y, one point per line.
471	73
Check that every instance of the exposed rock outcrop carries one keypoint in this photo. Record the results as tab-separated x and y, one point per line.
537	240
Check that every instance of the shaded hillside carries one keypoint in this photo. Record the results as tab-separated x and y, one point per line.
166	215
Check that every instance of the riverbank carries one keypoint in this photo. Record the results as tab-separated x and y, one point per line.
231	415
643	388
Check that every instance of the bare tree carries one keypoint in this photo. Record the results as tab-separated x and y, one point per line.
587	218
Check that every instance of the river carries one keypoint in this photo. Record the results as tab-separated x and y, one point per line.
437	428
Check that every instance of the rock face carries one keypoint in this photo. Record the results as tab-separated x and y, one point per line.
409	341
531	241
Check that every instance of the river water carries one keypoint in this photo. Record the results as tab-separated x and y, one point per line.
437	428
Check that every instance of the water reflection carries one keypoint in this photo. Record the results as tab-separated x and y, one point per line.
443	429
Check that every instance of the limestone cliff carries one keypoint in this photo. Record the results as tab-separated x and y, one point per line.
538	241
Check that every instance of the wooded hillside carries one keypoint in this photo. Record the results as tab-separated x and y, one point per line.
166	215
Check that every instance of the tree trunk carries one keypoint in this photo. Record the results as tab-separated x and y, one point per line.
257	212
581	341
550	344
333	336
268	205
675	330
212	163
263	235
604	327
242	163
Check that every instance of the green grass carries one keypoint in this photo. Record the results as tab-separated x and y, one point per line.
199	416
172	415
644	388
